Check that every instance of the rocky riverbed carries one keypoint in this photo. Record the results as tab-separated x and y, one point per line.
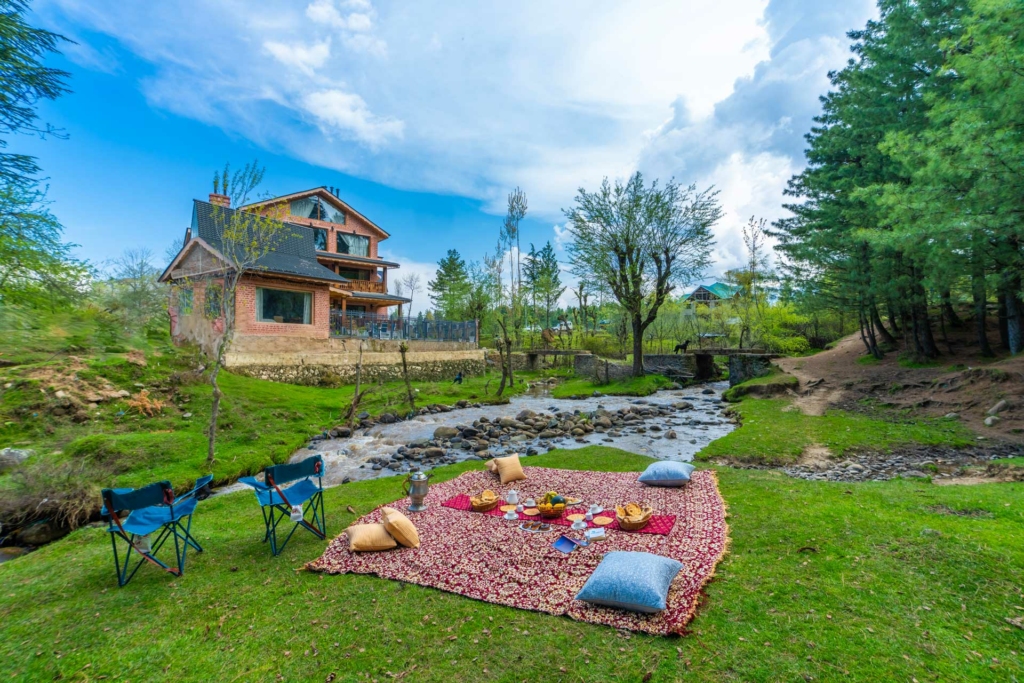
908	462
669	425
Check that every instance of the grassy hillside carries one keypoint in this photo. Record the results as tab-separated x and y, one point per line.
81	447
869	582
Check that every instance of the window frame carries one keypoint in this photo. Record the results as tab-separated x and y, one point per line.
307	306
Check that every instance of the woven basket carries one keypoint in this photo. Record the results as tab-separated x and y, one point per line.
648	512
553	512
484	507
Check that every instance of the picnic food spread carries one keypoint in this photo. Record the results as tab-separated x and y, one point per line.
485	501
633	516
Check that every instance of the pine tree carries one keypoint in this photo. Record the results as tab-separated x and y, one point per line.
451	287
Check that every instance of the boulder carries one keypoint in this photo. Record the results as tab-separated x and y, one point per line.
550	434
998	408
445	432
671	434
12	457
525	415
992	420
433	452
387	418
469	432
41	534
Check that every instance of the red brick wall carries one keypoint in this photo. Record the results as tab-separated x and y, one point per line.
245	309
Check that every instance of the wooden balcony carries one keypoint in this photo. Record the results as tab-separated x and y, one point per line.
363	286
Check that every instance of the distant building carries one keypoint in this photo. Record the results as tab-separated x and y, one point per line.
711	294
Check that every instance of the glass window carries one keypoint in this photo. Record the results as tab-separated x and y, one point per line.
319	239
184	301
211	303
353	274
315	207
357	245
284	306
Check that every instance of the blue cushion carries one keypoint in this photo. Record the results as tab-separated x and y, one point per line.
628	580
667	473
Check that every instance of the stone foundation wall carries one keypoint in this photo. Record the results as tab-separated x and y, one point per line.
275	345
339	368
747	366
519	361
671	365
599	369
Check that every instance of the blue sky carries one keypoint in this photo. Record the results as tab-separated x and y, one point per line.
426	114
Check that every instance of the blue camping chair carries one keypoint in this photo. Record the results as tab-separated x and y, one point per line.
277	504
150	509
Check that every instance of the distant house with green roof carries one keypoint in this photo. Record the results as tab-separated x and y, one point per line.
711	294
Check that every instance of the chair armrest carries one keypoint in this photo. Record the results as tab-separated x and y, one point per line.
200	483
253	482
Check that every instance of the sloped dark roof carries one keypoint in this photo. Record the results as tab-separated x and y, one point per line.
357	259
293	255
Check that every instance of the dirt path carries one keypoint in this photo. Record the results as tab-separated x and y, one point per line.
960	382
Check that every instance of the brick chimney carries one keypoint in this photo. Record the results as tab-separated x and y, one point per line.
220	200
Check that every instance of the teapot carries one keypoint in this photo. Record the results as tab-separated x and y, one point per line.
512	497
415	486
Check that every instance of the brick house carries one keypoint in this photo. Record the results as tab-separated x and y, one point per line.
323	278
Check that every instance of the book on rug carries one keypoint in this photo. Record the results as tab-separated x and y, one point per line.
566	544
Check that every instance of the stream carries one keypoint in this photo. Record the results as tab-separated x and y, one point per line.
362	455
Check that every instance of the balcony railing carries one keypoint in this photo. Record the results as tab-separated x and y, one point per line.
373	326
363	286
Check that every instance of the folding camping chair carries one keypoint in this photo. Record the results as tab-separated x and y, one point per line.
149	509
279	505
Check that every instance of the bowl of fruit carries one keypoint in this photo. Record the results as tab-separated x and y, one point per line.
551	504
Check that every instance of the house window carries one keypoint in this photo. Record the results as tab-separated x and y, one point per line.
315	207
320	239
284	306
184	300
211	303
353	274
356	245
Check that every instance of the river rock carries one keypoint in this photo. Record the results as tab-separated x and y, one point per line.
525	415
433	452
992	420
12	457
671	434
387	418
952	416
998	408
469	432
41	534
445	432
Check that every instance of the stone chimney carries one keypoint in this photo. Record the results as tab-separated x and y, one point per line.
220	200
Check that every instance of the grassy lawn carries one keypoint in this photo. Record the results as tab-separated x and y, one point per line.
774	433
868	582
633	386
775	381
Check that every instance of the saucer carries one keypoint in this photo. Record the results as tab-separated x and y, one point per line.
511	515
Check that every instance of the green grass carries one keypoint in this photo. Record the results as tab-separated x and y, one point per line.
775	433
1016	462
633	386
859	582
868	360
776	379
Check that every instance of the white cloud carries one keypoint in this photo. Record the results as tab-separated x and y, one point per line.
474	100
306	58
347	113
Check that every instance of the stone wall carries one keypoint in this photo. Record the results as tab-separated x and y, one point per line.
270	345
747	366
519	361
676	366
599	369
340	368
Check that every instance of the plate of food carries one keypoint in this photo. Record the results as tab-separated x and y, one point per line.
535	527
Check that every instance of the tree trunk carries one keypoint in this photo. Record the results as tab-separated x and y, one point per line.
876	321
949	311
1004	330
893	315
1014	313
979	296
403	348
214	414
638	346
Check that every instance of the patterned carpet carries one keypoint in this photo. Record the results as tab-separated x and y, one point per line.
487	558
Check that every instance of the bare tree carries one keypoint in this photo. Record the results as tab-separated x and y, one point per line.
135	292
246	238
641	242
411	286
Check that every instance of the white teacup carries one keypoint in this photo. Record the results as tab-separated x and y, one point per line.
530	503
595	508
511	515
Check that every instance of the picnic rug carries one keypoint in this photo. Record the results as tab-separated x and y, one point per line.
485	557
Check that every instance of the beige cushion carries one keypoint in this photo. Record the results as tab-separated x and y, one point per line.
367	537
492	466
399	526
509	469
